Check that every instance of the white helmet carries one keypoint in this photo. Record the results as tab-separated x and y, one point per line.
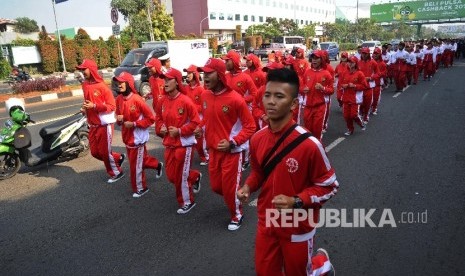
14	102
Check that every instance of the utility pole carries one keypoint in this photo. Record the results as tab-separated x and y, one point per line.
149	12
59	38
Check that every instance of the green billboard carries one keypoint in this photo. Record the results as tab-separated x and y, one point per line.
418	10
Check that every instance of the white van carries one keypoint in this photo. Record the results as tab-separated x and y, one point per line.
372	44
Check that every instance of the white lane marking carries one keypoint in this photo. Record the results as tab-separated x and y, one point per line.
396	95
51	120
334	144
49	97
253	202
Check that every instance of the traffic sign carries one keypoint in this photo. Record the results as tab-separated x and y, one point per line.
116	29
114	15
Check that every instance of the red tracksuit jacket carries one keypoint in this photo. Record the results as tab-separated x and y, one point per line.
317	97
258	77
226	116
179	112
242	84
157	87
305	172
350	94
102	97
300	67
258	110
382	71
370	69
134	109
195	93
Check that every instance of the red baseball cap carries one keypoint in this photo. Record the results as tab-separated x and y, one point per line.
365	50
377	51
154	62
300	50
215	65
353	59
126	77
272	66
235	57
345	54
174	74
192	68
289	60
87	64
318	54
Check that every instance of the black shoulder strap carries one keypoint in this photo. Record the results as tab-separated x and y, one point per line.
280	141
269	167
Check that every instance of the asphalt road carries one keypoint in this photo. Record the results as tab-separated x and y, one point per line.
65	220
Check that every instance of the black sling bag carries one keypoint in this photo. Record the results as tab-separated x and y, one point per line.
268	167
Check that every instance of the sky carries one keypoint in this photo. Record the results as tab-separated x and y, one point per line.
96	13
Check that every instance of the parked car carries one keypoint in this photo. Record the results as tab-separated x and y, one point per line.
372	44
266	49
332	48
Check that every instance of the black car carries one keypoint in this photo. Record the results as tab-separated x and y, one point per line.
134	63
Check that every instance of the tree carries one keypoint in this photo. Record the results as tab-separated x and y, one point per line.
136	12
307	31
26	25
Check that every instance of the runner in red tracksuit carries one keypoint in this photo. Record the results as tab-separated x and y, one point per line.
429	61
135	117
353	84
157	85
254	70
228	125
369	68
340	70
319	84
419	67
331	70
194	91
99	106
258	110
303	180
176	121
400	67
300	66
244	85
379	81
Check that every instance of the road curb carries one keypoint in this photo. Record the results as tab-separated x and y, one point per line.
49	97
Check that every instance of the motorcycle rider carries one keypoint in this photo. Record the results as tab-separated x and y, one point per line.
99	106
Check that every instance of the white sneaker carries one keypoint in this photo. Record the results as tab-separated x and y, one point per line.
235	225
196	186
115	178
186	208
348	133
140	193
159	170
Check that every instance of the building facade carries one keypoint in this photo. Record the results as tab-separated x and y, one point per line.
220	17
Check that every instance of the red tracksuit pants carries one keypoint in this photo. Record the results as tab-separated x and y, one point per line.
138	161
278	257
365	107
178	171
100	139
350	112
314	119
201	148
400	78
416	73
376	98
328	108
225	170
428	69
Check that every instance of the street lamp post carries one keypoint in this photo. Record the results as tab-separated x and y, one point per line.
200	26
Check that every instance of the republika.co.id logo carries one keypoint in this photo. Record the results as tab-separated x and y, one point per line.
347	218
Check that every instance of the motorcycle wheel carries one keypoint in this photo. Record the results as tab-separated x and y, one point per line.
9	165
84	143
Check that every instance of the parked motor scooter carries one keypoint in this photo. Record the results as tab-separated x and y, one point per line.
65	139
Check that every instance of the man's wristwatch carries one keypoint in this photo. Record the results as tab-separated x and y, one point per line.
298	203
232	145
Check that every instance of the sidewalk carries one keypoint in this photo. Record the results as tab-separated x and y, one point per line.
48	96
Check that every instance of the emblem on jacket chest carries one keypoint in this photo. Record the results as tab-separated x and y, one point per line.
132	108
96	93
292	165
225	109
181	111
